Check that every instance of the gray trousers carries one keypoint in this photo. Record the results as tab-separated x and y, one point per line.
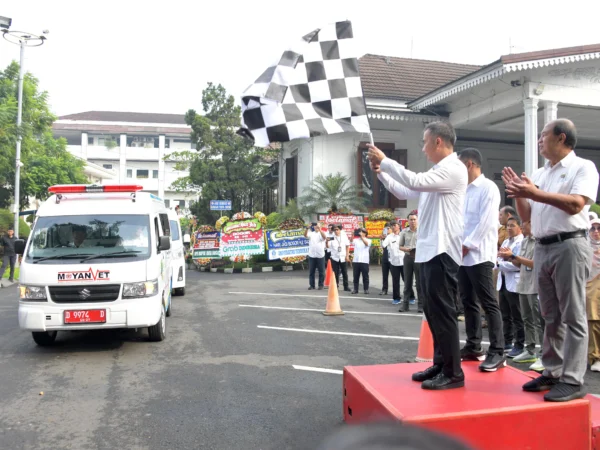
561	270
532	320
411	273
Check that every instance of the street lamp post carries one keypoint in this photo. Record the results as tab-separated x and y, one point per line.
22	39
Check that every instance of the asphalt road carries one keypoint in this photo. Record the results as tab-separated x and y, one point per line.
223	379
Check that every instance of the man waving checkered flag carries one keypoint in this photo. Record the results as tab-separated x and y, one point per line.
313	89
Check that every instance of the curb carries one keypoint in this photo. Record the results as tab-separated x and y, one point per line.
253	269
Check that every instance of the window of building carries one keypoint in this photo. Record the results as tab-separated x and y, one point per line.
142	141
90	140
181	203
167	203
107	166
129	173
157	143
374	190
142	173
155	174
108	141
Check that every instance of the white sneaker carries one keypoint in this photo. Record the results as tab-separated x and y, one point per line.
537	365
596	367
525	357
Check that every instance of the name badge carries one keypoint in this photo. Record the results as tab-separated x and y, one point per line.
528	269
339	249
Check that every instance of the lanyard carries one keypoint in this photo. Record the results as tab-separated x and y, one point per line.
339	241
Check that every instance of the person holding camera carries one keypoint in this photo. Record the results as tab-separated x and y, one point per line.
329	237
340	255
360	263
316	254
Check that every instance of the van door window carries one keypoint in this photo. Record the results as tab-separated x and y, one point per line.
174	230
164	222
156	231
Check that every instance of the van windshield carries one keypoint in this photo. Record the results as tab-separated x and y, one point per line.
119	237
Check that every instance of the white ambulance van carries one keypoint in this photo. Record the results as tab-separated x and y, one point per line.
178	254
97	257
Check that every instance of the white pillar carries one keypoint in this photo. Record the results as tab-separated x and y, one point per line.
123	159
84	145
550	114
550	111
161	166
531	135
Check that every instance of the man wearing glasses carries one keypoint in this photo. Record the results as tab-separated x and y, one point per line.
557	199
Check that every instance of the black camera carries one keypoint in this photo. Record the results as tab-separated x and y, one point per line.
357	232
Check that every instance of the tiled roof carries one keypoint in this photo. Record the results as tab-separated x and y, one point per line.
387	77
114	116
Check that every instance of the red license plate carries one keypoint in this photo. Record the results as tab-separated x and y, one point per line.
86	316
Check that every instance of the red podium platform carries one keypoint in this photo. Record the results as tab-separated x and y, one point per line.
491	412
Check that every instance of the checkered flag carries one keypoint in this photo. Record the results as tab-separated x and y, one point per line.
313	89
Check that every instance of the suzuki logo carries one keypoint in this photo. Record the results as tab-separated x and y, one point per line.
84	293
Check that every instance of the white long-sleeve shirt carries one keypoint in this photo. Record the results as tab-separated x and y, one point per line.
392	243
482	203
511	272
441	193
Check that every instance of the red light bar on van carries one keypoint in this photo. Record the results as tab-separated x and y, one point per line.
90	188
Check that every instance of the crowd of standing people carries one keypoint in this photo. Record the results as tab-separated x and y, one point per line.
535	277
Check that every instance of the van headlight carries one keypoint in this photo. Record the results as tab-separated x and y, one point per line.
33	293
141	289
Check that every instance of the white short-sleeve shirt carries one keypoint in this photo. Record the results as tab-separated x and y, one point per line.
572	175
361	251
338	247
316	245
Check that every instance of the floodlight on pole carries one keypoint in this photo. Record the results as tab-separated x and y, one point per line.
22	39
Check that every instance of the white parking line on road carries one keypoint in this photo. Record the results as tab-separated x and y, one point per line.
345	333
321	310
341	333
318	369
312	296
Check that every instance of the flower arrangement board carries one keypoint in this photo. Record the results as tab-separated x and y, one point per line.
374	230
349	222
206	245
242	237
286	243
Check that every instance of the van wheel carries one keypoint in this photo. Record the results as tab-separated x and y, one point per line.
44	338
169	308
158	332
180	291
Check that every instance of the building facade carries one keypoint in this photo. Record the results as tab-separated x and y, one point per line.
499	109
126	147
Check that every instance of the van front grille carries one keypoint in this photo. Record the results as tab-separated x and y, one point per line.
85	294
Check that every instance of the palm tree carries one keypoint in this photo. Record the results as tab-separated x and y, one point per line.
332	192
290	211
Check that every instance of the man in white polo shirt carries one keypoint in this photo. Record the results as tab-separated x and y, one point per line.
441	193
556	199
340	255
316	254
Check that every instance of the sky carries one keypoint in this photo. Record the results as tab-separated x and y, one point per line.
132	55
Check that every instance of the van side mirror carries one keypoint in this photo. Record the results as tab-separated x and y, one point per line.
19	246
164	243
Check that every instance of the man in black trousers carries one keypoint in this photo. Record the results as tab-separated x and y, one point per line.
475	276
441	193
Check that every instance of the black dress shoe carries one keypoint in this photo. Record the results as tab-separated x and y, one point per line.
320	288
427	374
347	289
563	392
442	382
355	291
311	288
383	292
539	384
367	291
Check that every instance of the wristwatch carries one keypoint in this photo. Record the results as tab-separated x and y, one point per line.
512	257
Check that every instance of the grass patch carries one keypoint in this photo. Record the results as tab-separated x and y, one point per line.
7	273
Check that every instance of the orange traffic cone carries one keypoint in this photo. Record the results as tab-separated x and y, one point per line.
333	301
425	350
328	274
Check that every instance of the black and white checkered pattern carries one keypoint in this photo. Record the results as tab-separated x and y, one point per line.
313	89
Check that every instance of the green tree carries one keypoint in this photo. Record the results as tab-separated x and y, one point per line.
224	164
45	159
332	192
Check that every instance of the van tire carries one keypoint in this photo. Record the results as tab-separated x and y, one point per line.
158	332
170	305
44	338
179	291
